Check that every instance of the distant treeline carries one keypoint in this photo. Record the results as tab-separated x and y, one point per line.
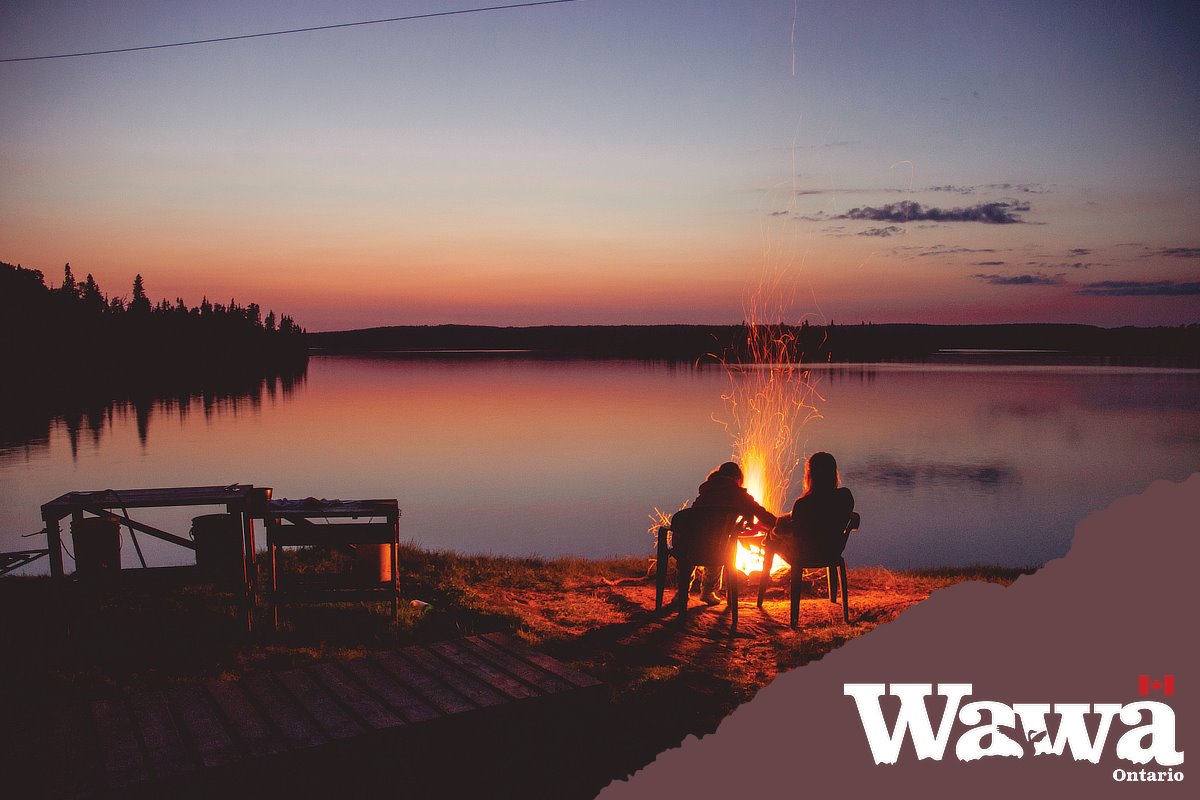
74	339
811	343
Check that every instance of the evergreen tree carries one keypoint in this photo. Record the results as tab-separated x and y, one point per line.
139	303
69	287
90	294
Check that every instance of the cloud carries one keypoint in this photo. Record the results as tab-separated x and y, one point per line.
987	264
1079	251
1001	212
843	191
952	188
1023	188
1021	280
943	250
1140	289
889	230
1179	252
1066	264
911	475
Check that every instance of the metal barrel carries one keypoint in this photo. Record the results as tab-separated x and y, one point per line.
97	545
220	556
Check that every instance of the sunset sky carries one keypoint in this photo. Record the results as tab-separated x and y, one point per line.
614	161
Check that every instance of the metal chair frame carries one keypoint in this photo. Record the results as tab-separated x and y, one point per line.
705	536
837	562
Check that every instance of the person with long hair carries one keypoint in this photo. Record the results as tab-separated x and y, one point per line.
821	518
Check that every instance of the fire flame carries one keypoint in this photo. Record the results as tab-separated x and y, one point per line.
769	401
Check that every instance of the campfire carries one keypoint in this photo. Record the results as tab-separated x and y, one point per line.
769	401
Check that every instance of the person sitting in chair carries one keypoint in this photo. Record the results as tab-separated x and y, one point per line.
723	488
821	519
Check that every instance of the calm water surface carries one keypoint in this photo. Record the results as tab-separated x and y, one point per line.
950	465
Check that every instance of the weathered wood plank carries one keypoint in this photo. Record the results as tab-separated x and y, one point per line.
311	507
152	735
147	498
298	730
548	663
331	535
537	677
407	703
166	751
435	692
120	753
246	722
462	681
460	656
198	717
332	718
72	755
362	704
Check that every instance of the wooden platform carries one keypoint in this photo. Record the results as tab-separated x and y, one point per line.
173	736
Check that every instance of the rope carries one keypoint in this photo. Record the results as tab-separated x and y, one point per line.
132	535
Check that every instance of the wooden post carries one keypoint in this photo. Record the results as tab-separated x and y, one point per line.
797	586
660	567
396	571
732	578
54	545
272	523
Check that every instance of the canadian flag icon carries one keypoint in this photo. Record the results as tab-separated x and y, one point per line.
1165	684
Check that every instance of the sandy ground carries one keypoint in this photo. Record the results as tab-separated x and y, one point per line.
614	632
662	681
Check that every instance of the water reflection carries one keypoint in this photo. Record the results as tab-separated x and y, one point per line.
950	464
26	429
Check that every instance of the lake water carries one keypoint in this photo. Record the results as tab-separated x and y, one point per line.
950	465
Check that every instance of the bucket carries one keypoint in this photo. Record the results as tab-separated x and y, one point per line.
97	544
373	563
219	554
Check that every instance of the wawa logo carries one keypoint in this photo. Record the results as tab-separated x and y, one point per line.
1146	727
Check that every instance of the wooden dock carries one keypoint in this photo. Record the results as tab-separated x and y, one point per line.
148	742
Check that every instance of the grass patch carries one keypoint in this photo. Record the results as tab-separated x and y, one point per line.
664	681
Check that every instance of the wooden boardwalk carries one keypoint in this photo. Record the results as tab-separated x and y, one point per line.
169	737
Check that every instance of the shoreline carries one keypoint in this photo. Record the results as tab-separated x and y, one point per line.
662	682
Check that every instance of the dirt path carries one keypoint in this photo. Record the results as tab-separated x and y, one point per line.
614	632
667	682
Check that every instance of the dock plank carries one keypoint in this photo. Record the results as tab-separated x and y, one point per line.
299	731
154	736
361	703
455	653
166	751
72	756
247	723
548	663
120	753
535	676
433	691
198	717
462	681
320	704
406	702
